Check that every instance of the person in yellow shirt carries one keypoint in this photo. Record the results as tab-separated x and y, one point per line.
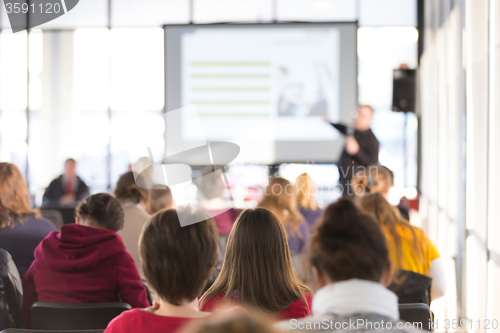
409	247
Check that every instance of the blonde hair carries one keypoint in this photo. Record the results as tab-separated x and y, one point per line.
305	192
14	197
282	203
375	179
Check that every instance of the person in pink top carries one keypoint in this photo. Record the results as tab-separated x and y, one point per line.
177	262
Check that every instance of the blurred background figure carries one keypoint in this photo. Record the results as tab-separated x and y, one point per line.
361	146
212	190
21	227
306	203
376	179
67	189
133	200
160	197
281	199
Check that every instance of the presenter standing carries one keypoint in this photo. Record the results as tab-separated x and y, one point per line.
361	147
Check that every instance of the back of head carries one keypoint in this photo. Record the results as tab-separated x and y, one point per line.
14	196
177	261
160	198
280	198
101	210
127	189
210	187
349	245
375	179
257	264
231	322
305	192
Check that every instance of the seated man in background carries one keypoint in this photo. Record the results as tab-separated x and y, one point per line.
85	262
160	197
177	262
352	267
67	189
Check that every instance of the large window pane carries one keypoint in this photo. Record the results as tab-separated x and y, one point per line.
137	75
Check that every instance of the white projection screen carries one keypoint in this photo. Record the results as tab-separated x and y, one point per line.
264	87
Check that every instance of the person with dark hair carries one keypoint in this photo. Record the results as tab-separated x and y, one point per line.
133	199
85	262
67	189
257	270
352	266
160	197
361	147
177	262
11	292
21	227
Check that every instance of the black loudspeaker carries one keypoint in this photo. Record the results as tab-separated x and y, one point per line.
404	90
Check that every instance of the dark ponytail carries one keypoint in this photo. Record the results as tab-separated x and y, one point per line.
103	210
349	245
127	189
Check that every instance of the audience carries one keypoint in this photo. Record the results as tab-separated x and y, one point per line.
21	227
177	262
133	200
281	199
305	199
376	179
11	292
257	270
352	267
85	262
409	247
67	189
160	197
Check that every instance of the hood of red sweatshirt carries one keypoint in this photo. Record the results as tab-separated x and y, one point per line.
78	247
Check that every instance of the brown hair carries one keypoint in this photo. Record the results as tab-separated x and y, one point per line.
177	261
126	188
14	197
282	203
375	179
349	245
160	197
305	192
103	210
232	323
257	265
389	218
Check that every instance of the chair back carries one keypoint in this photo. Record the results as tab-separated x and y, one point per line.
69	316
417	313
18	330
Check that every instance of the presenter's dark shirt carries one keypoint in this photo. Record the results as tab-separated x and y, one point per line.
57	188
366	156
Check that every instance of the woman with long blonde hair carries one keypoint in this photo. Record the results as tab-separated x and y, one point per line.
409	247
257	270
21	227
308	207
280	198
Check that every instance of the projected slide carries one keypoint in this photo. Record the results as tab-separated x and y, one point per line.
282	79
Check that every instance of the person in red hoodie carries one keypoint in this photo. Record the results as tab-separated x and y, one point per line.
85	262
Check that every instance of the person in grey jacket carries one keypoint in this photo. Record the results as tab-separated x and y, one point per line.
352	267
11	292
